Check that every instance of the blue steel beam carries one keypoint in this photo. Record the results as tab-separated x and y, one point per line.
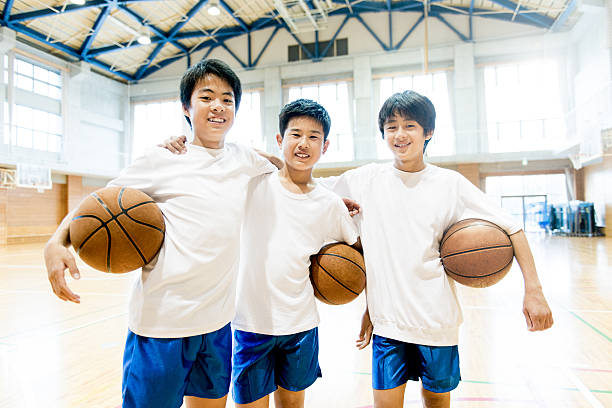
367	27
95	30
390	12
419	21
229	11
150	59
30	15
172	33
449	25
242	64
541	20
6	12
331	42
470	18
569	9
265	46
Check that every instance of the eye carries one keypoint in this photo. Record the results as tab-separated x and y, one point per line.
229	101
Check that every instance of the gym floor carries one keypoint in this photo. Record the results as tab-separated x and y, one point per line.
56	354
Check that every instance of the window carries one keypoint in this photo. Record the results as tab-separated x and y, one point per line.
36	129
154	122
435	87
523	106
337	48
247	129
334	96
37	79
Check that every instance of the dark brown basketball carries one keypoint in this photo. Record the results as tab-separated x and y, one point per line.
337	274
476	253
117	229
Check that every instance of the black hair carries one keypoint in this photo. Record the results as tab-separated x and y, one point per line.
304	107
411	105
209	67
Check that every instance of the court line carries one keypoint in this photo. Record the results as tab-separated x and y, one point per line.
598	370
512	308
38	292
602	334
586	393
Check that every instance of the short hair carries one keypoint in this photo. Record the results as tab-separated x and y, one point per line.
304	107
209	67
411	105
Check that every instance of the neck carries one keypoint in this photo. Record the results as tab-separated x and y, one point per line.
299	181
410	166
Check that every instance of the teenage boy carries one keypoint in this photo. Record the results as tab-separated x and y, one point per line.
179	338
406	206
288	218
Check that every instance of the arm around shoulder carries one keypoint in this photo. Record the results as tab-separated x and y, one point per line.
537	313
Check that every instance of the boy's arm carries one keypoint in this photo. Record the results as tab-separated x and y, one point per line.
365	334
278	162
535	308
58	258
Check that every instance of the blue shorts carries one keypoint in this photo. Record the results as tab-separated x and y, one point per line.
263	362
395	362
158	372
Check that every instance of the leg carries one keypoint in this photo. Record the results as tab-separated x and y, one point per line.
288	399
435	399
195	402
263	402
392	398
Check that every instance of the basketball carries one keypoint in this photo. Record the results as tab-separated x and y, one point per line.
117	229
476	253
337	274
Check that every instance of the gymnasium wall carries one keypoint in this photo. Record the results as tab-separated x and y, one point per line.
598	189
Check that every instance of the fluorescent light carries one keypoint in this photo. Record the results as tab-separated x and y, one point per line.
213	8
79	2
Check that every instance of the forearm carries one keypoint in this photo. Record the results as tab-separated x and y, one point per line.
272	158
524	257
61	236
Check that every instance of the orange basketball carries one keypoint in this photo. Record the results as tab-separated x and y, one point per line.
476	253
337	274
117	229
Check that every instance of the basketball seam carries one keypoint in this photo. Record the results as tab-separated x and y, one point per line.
484	222
345	258
103	204
332	276
314	286
108	235
467	251
449	270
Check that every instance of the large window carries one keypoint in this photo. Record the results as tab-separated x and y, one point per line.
247	129
32	119
38	79
154	122
523	106
334	96
435	87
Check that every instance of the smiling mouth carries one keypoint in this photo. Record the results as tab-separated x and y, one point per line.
302	155
402	145
216	120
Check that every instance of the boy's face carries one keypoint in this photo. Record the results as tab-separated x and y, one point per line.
211	111
405	137
302	143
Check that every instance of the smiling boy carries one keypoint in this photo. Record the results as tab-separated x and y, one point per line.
179	338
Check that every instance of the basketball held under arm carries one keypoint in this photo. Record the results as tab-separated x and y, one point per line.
535	307
58	258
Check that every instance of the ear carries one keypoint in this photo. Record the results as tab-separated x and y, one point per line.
186	112
279	140
429	135
325	146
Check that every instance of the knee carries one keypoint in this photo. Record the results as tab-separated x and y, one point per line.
435	399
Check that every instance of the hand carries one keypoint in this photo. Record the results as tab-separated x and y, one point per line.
365	334
57	259
175	144
537	313
352	206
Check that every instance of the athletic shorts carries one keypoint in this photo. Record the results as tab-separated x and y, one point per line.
158	372
263	362
395	362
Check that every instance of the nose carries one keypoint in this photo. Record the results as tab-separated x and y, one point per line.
303	143
217	106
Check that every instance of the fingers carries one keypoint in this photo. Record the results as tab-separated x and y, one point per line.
539	320
178	147
59	285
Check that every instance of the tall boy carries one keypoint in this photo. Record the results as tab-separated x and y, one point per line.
179	338
406	206
288	218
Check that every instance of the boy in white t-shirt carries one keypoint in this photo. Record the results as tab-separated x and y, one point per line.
406	206
288	218
179	337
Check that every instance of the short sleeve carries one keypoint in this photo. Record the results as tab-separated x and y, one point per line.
345	185
138	175
476	204
343	227
257	164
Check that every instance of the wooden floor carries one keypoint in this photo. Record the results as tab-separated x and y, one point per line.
56	354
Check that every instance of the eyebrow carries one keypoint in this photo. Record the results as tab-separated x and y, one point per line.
211	91
298	130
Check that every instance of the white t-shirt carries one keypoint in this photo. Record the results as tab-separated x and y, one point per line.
403	217
281	231
189	289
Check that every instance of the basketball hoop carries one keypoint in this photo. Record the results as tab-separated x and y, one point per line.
33	176
7	179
